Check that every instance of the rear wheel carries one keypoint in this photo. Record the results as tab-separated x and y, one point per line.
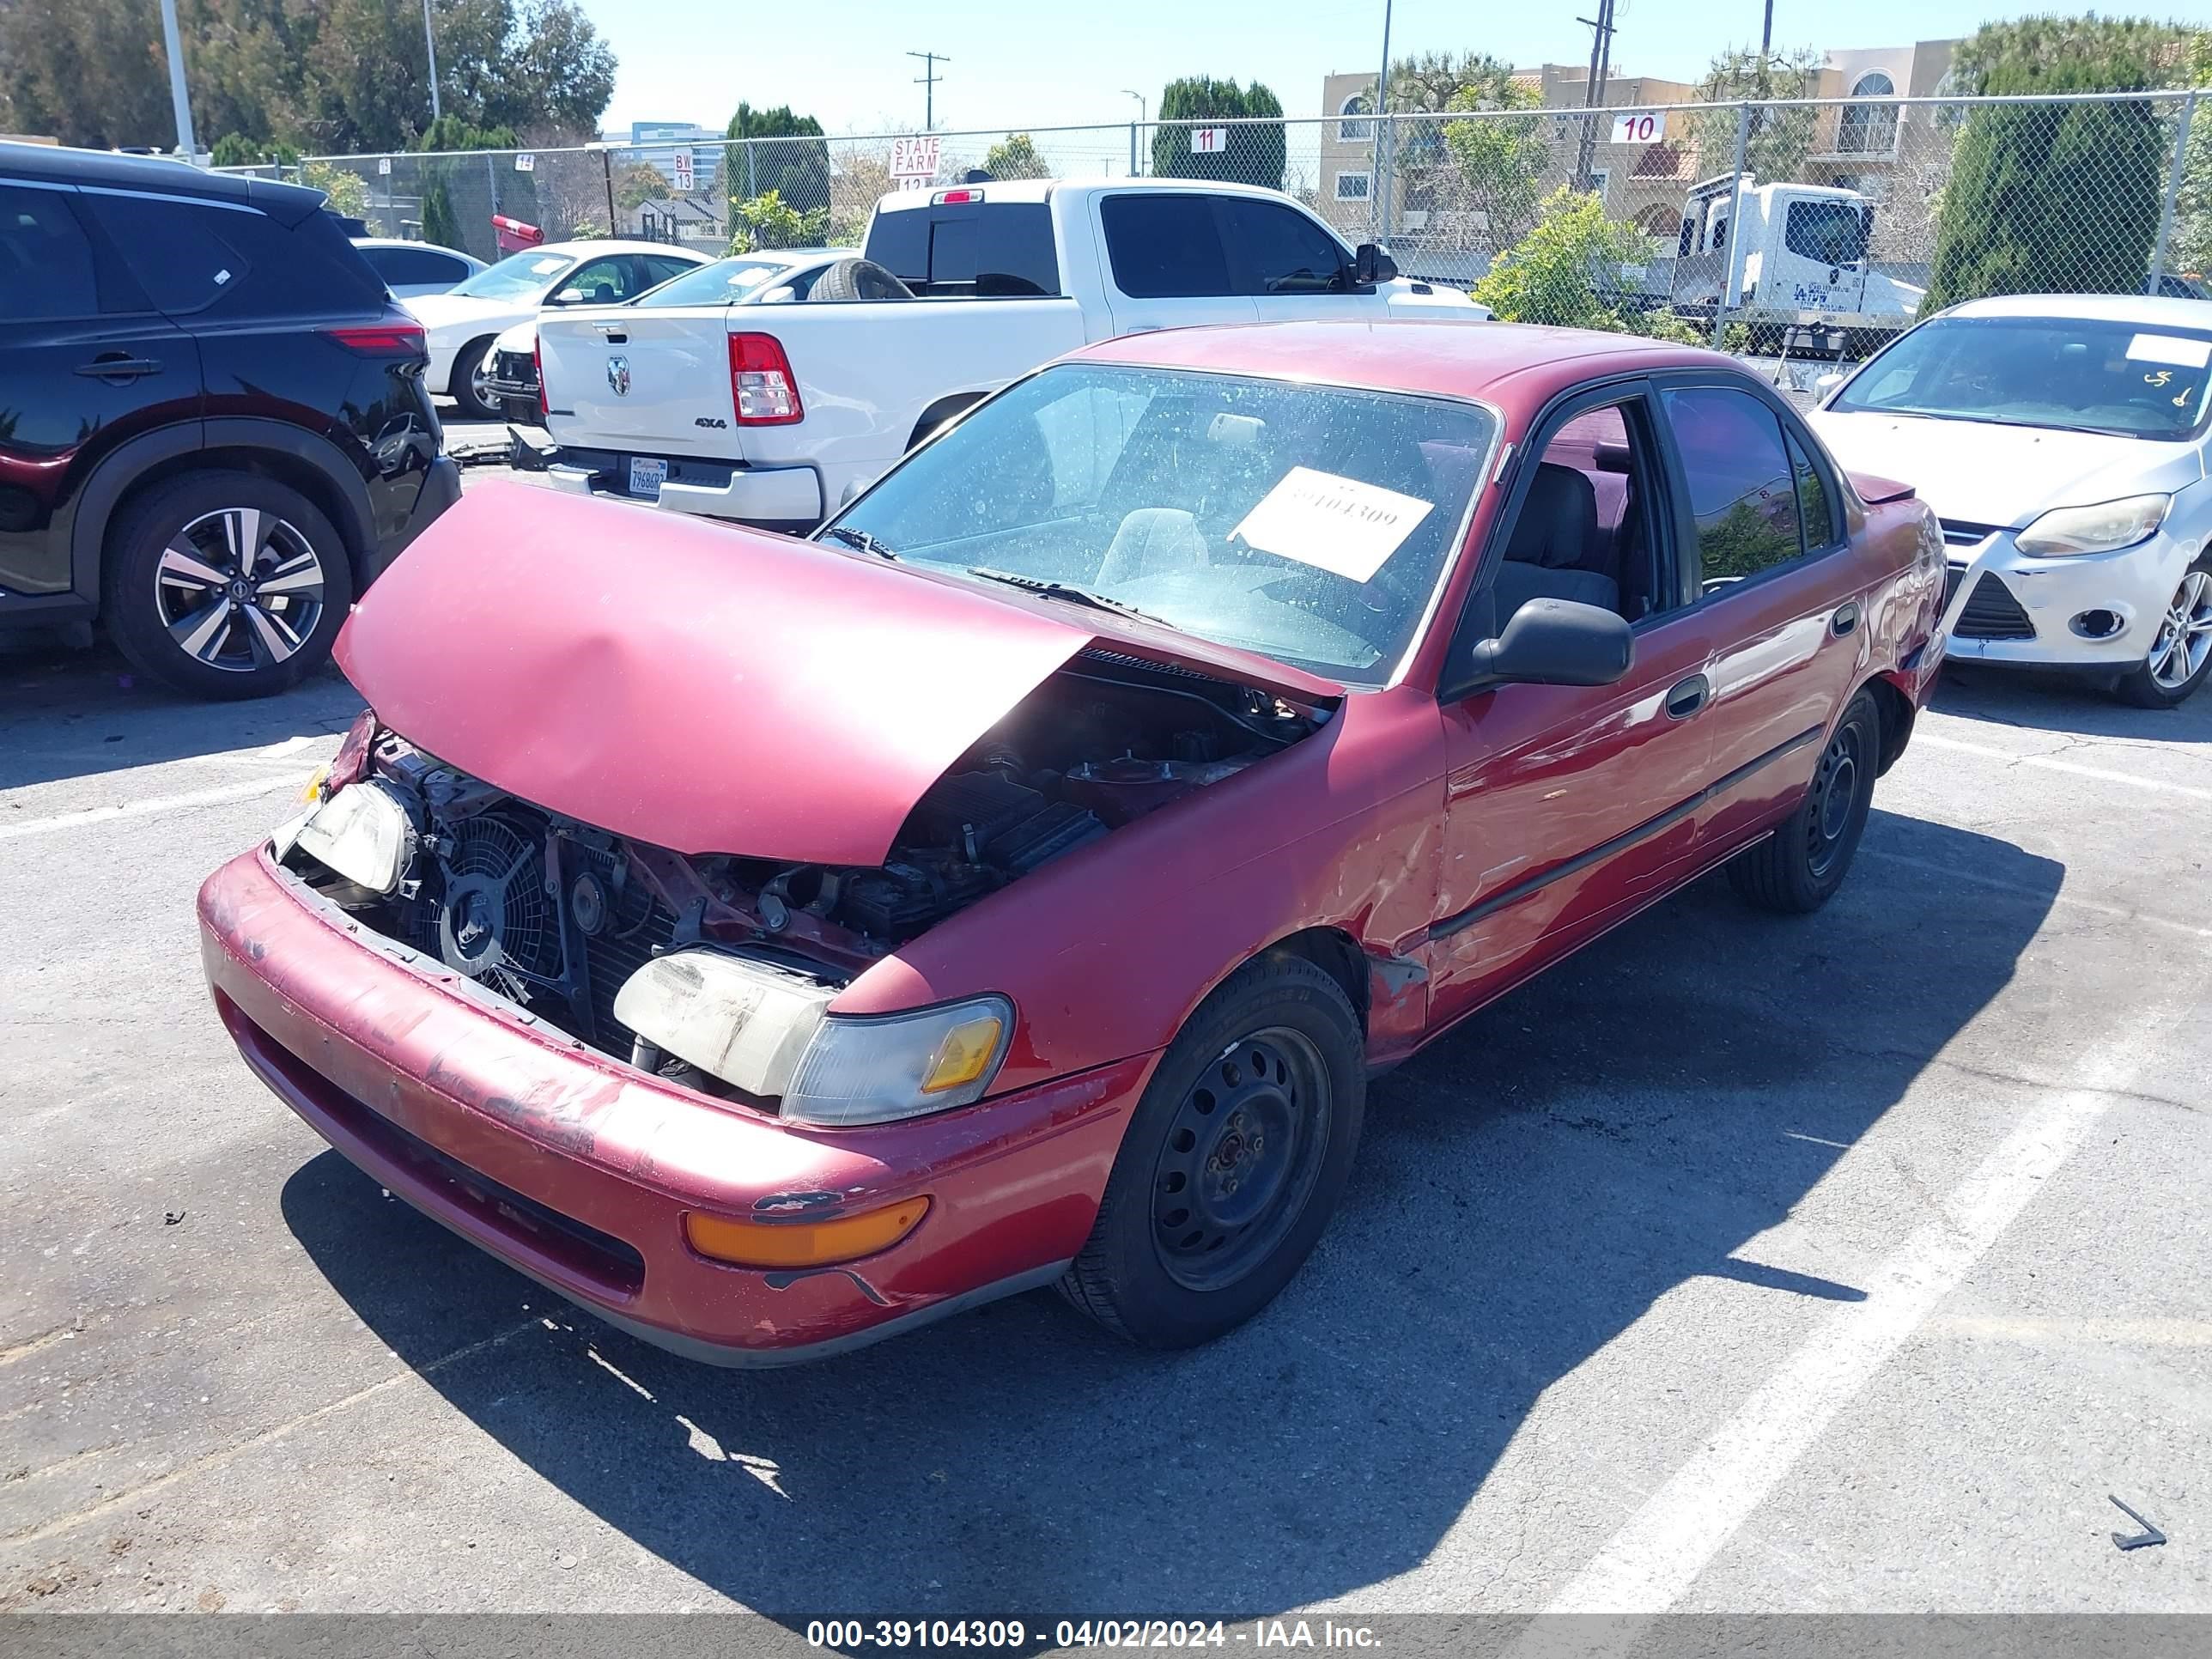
1232	1162
1799	866
225	585
2181	655
471	382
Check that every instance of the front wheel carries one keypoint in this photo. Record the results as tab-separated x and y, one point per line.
1799	868
471	382
1233	1160
2182	653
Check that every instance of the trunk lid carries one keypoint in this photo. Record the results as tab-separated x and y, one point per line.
706	689
650	379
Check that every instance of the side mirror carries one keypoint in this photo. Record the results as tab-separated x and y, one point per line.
569	296
1371	263
1551	642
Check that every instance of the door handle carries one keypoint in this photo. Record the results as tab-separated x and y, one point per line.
1688	696
1845	619
115	366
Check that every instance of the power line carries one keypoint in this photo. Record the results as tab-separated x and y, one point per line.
927	80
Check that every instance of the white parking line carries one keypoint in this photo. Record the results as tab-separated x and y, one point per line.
153	803
1653	1559
1928	740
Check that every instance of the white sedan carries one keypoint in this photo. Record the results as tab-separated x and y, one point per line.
2062	441
463	323
411	270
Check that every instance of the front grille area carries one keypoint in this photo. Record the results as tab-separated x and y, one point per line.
1991	613
1963	533
514	368
1953	575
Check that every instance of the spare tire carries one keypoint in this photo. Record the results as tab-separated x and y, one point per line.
859	279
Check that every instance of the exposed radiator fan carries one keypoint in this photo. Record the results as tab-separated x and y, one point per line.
492	920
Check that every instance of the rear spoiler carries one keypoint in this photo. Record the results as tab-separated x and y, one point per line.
1873	491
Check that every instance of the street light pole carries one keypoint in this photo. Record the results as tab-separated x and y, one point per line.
181	105
1144	118
1381	190
430	42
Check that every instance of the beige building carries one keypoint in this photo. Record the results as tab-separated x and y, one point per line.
1864	147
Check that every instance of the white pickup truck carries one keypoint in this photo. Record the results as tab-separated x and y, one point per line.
777	417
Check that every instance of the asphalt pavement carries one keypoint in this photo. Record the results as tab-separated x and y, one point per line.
1840	1263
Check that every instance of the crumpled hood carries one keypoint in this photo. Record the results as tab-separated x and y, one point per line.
702	688
1977	473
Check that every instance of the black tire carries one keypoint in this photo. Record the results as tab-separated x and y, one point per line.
859	279
159	609
2192	603
1277	1048
1799	868
468	367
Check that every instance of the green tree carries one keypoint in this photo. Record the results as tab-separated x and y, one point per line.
1016	157
460	197
766	220
1498	158
2191	250
1780	139
1255	154
795	167
346	192
2056	198
637	184
1565	270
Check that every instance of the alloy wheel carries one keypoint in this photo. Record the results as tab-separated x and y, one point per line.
239	589
1240	1157
2184	633
480	381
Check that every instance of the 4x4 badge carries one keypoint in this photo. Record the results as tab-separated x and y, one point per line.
619	375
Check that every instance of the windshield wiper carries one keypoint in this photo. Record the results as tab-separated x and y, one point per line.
1045	588
860	539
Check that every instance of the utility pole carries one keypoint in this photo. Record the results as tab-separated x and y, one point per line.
186	145
1380	190
430	42
1600	59
1767	34
927	81
1143	116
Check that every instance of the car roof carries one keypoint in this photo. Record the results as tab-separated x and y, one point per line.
2168	311
164	175
404	241
1040	190
1438	359
616	244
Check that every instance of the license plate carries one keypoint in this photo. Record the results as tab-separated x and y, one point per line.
646	476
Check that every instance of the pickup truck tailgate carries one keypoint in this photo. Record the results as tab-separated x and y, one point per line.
656	381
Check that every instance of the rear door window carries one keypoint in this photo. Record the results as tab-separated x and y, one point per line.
46	259
1165	247
993	250
1282	251
183	253
1743	492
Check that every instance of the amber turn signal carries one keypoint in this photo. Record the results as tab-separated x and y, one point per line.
803	1244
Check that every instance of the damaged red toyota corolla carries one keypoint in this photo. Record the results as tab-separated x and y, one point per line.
773	946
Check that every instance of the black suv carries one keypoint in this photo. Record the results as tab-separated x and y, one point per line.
213	426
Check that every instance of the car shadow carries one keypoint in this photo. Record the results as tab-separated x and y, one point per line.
77	713
1528	1187
2060	703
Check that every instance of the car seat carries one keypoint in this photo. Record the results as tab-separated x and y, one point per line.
1552	543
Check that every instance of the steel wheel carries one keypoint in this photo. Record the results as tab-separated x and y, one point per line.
2184	634
239	589
1835	794
1240	1158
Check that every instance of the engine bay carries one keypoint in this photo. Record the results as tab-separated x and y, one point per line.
555	915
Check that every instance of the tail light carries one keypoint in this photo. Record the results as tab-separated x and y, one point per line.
538	367
390	338
761	381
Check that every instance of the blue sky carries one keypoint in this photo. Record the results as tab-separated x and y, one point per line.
1054	63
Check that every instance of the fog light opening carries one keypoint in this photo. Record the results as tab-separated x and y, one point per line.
2097	624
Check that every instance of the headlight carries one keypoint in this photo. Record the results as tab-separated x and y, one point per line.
878	1067
363	834
2105	528
736	1018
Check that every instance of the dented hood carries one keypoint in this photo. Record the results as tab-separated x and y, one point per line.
702	688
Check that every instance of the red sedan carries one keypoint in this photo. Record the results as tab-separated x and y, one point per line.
773	944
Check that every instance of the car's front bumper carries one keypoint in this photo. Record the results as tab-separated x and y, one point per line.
579	1171
2092	610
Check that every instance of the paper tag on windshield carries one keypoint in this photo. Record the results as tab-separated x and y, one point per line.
1334	523
547	267
2176	348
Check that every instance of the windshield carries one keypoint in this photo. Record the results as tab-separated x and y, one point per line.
1307	522
516	277
725	282
2135	379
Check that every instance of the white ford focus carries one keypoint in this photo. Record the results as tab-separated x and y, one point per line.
2062	441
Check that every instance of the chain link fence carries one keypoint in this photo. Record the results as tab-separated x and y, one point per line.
1829	223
